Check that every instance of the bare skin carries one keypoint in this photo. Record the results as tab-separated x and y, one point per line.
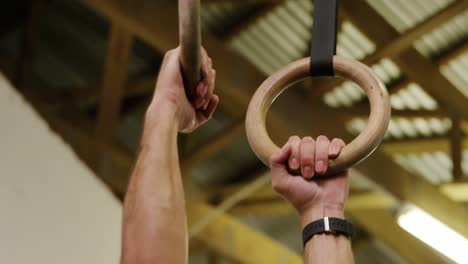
155	222
314	197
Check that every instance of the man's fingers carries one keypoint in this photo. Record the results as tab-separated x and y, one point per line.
321	154
171	59
280	158
279	172
204	98
204	53
210	88
205	115
200	94
294	162
307	157
210	63
211	106
335	148
212	81
206	63
201	89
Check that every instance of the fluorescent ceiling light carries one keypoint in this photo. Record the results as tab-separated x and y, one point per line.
434	233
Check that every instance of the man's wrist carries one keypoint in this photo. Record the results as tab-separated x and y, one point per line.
318	212
160	118
159	108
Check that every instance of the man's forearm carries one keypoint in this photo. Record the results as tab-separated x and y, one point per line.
154	212
326	248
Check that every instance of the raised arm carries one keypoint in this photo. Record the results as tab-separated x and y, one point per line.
314	198
154	223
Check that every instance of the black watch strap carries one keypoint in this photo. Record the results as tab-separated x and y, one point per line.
328	225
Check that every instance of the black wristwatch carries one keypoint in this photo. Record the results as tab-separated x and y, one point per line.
328	225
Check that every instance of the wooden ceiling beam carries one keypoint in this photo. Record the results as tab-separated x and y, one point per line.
456	147
457	191
113	84
242	194
446	57
229	237
89	96
384	227
266	202
276	205
29	38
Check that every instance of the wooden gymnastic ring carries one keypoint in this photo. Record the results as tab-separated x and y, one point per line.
190	42
356	151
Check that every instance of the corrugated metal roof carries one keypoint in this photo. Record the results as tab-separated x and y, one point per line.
411	97
435	166
444	36
401	128
217	16
456	72
283	35
403	15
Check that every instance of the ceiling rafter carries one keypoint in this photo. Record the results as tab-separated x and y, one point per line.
89	96
29	37
227	236
271	200
452	54
384	227
456	147
112	91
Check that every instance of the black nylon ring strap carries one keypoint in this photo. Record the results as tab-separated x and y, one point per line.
323	38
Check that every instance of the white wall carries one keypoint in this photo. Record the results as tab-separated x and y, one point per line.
52	208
